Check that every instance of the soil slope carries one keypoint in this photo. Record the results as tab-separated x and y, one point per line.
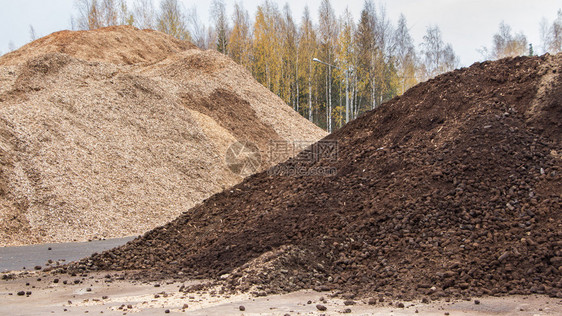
453	189
112	132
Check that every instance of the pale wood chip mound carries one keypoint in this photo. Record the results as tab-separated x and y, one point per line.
112	132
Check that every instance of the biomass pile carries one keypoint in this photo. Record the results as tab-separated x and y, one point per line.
115	44
453	189
112	132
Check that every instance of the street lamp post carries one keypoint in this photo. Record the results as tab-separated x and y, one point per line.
346	96
346	71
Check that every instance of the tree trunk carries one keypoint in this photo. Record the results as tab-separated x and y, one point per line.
329	99
297	81
310	118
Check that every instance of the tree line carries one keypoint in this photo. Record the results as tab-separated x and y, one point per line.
331	71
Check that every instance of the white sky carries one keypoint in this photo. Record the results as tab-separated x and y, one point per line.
467	25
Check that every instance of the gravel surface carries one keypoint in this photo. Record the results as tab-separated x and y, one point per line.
117	297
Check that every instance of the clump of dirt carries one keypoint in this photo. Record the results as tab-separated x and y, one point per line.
453	189
112	132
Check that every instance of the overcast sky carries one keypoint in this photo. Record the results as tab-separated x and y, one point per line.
466	24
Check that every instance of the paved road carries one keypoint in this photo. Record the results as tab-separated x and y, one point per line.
27	257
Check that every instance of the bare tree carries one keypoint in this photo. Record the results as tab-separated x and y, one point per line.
432	48
211	37
81	20
543	31
384	32
438	56
144	15
505	44
405	54
11	46
32	35
383	55
125	16
556	34
89	16
197	29
73	23
171	20
551	35
93	14
109	13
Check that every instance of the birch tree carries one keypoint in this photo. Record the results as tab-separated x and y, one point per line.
384	58
307	51
171	20
125	16
108	13
551	35
405	53
366	50
93	14
266	46
144	14
347	63
218	13
378	54
289	58
240	39
197	29
32	35
84	19
328	32
506	44
438	57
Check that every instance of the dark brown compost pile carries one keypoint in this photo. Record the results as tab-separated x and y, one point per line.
453	189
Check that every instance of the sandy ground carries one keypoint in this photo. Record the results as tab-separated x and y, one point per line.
95	294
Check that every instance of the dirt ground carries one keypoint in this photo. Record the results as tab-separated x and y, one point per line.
96	294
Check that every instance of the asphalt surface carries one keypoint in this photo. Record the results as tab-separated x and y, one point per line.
27	257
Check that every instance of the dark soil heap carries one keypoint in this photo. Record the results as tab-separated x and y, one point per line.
453	189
